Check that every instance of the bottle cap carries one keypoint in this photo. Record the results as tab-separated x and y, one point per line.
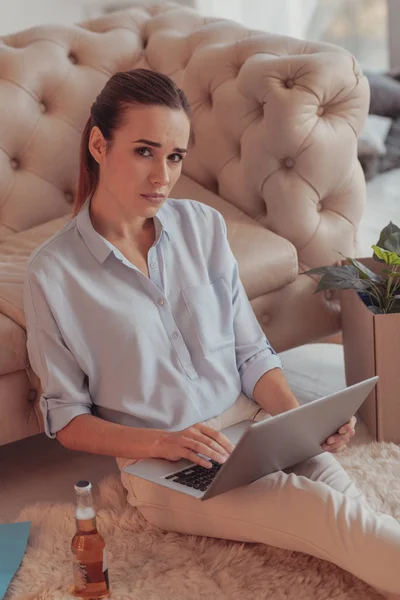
83	487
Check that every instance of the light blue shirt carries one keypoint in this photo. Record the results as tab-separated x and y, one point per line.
162	352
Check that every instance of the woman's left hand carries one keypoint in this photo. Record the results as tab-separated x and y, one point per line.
338	441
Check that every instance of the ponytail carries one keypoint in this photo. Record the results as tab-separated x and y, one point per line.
88	171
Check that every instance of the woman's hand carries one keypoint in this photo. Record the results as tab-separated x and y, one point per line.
338	441
188	443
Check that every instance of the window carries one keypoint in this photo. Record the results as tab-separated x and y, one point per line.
360	26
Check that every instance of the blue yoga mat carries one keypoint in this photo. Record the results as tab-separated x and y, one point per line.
13	539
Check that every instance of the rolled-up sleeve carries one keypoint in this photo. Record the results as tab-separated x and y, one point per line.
65	392
254	354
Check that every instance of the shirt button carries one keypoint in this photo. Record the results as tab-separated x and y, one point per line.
153	265
175	335
161	301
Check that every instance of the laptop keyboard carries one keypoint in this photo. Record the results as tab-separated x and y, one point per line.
196	477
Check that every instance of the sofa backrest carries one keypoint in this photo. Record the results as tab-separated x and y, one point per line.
275	119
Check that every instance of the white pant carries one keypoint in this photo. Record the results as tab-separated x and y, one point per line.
313	508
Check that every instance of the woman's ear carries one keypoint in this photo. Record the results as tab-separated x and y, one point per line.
97	144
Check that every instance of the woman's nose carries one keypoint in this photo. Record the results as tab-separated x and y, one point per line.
159	174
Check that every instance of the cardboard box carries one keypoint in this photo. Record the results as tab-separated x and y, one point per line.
372	347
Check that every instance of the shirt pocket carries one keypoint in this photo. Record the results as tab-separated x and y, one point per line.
211	311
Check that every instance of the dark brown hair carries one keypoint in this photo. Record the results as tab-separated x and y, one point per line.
125	88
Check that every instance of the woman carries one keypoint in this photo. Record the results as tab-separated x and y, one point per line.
146	345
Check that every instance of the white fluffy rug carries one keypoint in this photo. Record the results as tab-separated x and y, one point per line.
148	564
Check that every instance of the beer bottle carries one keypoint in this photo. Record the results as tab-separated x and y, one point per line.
88	548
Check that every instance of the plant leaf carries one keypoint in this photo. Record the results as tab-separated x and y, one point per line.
364	272
390	258
342	277
392	243
317	271
389	239
386	233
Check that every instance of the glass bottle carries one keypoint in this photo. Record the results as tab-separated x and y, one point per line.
88	548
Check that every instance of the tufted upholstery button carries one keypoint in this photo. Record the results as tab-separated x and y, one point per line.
43	107
69	197
265	319
15	164
213	186
73	58
289	163
319	206
31	395
320	111
289	83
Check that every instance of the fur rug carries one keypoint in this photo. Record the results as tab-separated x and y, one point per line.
148	564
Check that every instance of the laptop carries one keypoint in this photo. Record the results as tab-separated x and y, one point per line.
262	447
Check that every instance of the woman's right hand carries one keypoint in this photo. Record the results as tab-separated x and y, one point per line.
190	442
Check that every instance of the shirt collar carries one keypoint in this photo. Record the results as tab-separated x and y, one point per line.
99	246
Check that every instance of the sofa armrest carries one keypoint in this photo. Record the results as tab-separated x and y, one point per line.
275	126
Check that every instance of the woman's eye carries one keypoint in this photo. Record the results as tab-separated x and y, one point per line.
176	157
143	151
146	152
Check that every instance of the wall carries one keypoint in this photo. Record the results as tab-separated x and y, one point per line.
287	17
21	14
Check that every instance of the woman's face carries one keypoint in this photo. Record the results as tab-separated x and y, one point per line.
144	160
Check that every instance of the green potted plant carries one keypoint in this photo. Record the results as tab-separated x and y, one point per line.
380	291
370	318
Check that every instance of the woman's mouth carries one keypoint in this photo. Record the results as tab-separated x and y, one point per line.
154	198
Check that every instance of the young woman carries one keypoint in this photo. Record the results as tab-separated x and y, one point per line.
146	345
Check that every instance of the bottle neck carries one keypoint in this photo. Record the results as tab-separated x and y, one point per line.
85	513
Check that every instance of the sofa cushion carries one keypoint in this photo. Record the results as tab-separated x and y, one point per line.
13	355
15	250
266	260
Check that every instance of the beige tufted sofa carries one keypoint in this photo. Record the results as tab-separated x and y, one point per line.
274	149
